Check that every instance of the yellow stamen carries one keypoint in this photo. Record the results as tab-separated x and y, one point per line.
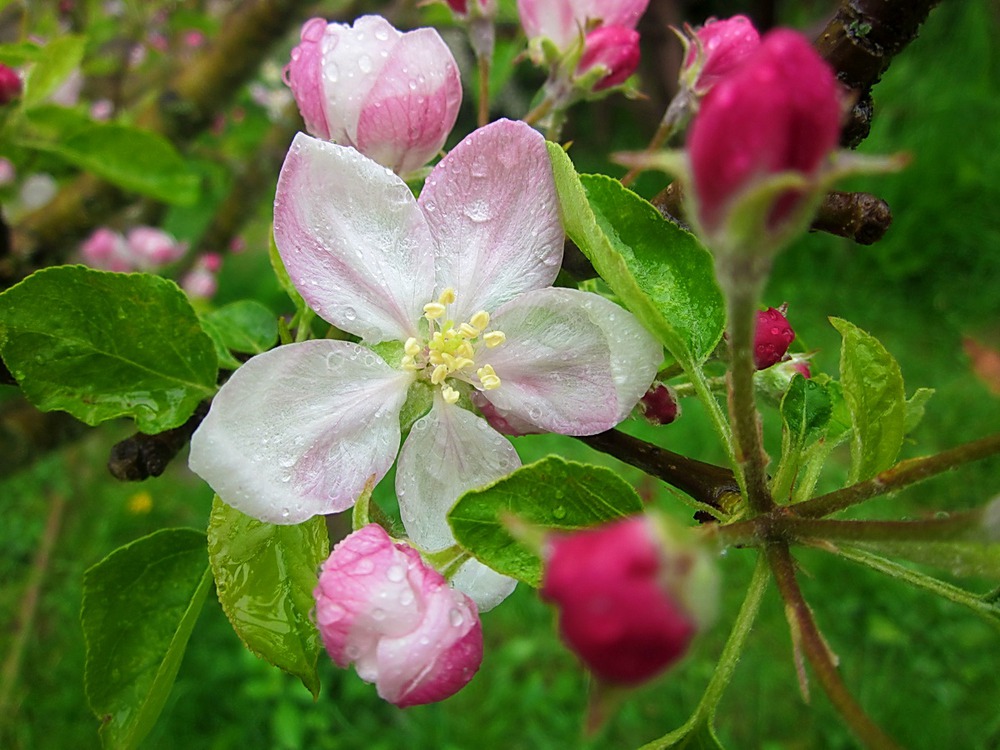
480	320
447	296
450	394
439	374
470	331
411	347
493	339
433	310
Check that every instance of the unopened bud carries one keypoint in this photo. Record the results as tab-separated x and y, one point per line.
660	405
615	49
772	338
10	85
716	50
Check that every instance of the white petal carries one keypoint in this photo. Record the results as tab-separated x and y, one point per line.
298	430
573	362
450	451
353	240
492	207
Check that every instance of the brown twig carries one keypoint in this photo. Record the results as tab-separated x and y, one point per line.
860	41
143	456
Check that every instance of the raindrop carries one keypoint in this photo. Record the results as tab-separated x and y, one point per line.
406	598
456	618
395	573
365	64
332	72
559	513
349	313
378	613
382	35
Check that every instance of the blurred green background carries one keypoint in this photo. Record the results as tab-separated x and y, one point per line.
925	669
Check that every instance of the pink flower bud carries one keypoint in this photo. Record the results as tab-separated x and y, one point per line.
772	337
107	250
200	283
153	247
660	406
562	21
380	607
615	49
10	85
392	96
622	599
719	48
778	113
482	8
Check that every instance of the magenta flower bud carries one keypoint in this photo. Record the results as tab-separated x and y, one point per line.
660	406
561	21
153	247
10	85
719	48
481	8
625	603
380	607
615	49
777	114
772	337
392	96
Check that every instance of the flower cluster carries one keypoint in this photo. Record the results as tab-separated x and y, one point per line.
141	249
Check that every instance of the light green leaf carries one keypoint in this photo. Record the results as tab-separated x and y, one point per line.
660	272
551	493
805	410
56	61
873	391
696	734
140	605
915	408
132	158
101	345
19	53
265	575
246	326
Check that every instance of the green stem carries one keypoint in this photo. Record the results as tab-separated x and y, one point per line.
703	389
976	603
817	652
901	475
674	120
483	117
728	660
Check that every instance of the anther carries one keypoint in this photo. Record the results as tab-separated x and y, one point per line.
480	320
493	339
433	310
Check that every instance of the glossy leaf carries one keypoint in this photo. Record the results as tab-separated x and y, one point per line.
659	271
805	410
873	392
551	493
57	59
246	326
101	345
139	606
265	576
129	157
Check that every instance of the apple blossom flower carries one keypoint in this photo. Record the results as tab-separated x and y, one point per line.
631	596
393	96
450	296
564	22
151	247
777	116
612	49
382	608
716	49
107	250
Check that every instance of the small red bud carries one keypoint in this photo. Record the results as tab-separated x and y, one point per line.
660	405
724	43
10	85
772	338
614	47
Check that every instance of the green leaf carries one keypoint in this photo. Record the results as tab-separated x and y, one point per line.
963	558
551	493
696	734
139	606
873	392
265	575
659	271
56	61
19	53
101	345
246	326
915	408
805	410
132	158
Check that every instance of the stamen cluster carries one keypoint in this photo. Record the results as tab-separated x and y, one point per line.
451	351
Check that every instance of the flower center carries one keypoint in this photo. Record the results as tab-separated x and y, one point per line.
450	350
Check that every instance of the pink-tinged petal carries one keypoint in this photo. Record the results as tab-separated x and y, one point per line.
611	12
544	18
555	367
381	607
573	363
304	75
353	59
353	240
491	204
298	431
450	451
411	109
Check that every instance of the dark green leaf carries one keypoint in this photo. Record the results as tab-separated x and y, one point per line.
139	606
551	493
265	575
132	158
659	271
246	326
55	62
805	410
102	345
873	392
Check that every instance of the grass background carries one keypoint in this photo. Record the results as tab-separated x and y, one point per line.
924	668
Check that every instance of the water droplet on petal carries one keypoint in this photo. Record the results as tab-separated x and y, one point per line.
365	64
395	573
456	618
